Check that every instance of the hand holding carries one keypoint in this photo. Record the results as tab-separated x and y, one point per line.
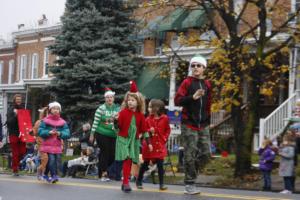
152	130
199	93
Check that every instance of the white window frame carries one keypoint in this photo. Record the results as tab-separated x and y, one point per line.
238	5
23	65
11	71
1	70
34	66
174	42
46	63
297	4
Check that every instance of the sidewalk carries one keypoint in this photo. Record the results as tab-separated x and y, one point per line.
209	180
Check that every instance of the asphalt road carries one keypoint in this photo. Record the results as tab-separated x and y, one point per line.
28	188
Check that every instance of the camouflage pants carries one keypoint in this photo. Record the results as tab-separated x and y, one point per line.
196	151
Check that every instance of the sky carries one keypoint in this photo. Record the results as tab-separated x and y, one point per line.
14	12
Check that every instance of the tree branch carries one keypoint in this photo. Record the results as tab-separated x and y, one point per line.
283	44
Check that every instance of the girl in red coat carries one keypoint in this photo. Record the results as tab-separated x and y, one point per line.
158	125
132	126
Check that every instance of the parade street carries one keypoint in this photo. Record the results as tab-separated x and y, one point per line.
27	187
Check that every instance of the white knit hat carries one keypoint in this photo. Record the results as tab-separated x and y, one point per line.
197	59
54	104
109	92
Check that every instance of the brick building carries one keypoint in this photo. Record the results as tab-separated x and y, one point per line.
25	65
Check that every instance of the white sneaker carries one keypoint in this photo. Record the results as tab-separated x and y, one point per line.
191	189
285	192
104	179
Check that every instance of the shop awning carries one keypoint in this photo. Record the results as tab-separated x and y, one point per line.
173	21
195	19
150	30
151	85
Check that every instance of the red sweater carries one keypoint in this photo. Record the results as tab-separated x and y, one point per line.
124	120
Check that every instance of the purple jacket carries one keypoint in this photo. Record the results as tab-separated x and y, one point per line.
267	156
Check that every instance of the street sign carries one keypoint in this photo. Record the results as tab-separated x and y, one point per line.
174	117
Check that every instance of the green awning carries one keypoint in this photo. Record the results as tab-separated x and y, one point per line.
151	85
173	21
150	30
195	19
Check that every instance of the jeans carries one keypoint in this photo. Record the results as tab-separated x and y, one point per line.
288	183
114	170
267	179
52	164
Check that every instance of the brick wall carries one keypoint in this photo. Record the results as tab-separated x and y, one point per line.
35	45
6	56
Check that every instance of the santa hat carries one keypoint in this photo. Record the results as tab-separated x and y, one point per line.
133	87
109	92
199	60
54	104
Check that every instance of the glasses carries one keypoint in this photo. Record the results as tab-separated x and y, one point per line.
196	66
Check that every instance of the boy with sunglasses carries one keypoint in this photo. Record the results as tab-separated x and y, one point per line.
194	95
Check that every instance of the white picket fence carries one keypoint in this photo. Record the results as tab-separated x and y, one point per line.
273	125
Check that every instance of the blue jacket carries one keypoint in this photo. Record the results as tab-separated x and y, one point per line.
267	156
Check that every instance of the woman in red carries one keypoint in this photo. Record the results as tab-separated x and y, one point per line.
158	125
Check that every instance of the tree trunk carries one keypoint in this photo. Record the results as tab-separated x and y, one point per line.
245	123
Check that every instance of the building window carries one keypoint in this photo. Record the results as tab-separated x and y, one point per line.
297	4
1	71
238	5
46	62
140	49
23	65
34	66
174	42
11	71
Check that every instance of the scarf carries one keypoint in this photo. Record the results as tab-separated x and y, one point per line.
54	120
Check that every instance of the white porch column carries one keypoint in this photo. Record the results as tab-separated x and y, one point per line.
173	66
293	71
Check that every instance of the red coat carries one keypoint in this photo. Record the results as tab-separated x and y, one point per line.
158	139
124	121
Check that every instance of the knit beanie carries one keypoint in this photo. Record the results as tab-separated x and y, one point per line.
197	59
54	104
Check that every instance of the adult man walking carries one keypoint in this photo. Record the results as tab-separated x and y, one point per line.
194	95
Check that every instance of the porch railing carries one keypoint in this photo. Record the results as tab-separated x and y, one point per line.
273	125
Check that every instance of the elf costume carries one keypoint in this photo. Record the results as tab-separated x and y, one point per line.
131	126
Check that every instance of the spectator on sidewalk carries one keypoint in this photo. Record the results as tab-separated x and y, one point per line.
71	167
84	137
267	156
286	167
194	95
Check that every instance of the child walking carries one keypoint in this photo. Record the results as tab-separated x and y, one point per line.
132	125
158	125
52	129
43	156
267	156
286	167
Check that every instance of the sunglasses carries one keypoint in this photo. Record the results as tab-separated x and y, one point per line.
196	66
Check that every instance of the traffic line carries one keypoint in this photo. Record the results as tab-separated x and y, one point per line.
175	192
